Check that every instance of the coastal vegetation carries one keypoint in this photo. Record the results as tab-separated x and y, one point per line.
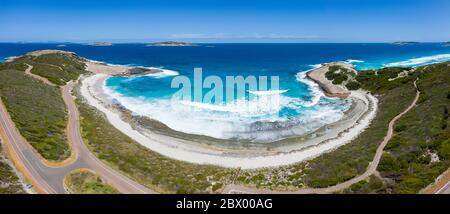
353	85
38	112
58	68
9	182
84	181
420	148
338	74
416	155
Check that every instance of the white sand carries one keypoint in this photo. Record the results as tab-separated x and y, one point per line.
100	68
177	149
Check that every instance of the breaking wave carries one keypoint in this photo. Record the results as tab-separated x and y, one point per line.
414	62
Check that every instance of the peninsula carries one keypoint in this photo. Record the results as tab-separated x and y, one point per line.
331	87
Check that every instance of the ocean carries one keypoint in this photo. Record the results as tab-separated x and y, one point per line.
297	106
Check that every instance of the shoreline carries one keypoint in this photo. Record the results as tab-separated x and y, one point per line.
123	70
190	151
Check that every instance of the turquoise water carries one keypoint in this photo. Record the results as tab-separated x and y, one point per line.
296	107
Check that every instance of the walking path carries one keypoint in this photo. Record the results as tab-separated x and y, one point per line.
371	169
45	80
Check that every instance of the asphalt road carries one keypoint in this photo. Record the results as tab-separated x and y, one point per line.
445	189
49	179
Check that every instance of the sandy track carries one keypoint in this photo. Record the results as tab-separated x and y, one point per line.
45	80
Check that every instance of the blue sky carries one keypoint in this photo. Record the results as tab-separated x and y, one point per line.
225	21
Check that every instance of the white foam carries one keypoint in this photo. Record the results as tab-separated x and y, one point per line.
314	88
414	62
315	66
225	121
173	148
228	120
270	92
9	59
163	73
245	108
351	61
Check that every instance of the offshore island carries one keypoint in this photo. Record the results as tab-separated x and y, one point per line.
171	44
384	133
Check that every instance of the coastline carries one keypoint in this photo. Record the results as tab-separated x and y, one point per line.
122	70
290	151
101	67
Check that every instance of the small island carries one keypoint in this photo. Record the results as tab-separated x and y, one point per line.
171	44
446	44
100	44
405	43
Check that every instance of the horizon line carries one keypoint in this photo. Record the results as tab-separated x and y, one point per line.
222	42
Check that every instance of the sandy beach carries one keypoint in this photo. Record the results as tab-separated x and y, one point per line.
121	70
282	153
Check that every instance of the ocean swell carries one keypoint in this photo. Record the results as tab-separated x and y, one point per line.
256	120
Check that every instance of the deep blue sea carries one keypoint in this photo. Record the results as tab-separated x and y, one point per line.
296	107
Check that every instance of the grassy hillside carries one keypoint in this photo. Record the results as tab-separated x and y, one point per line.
37	109
87	182
57	68
420	148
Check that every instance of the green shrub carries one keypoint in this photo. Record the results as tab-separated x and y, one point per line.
353	85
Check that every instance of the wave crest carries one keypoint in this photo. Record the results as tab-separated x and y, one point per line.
270	92
313	87
414	62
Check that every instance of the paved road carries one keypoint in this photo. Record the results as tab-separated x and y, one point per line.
445	189
49	179
370	170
